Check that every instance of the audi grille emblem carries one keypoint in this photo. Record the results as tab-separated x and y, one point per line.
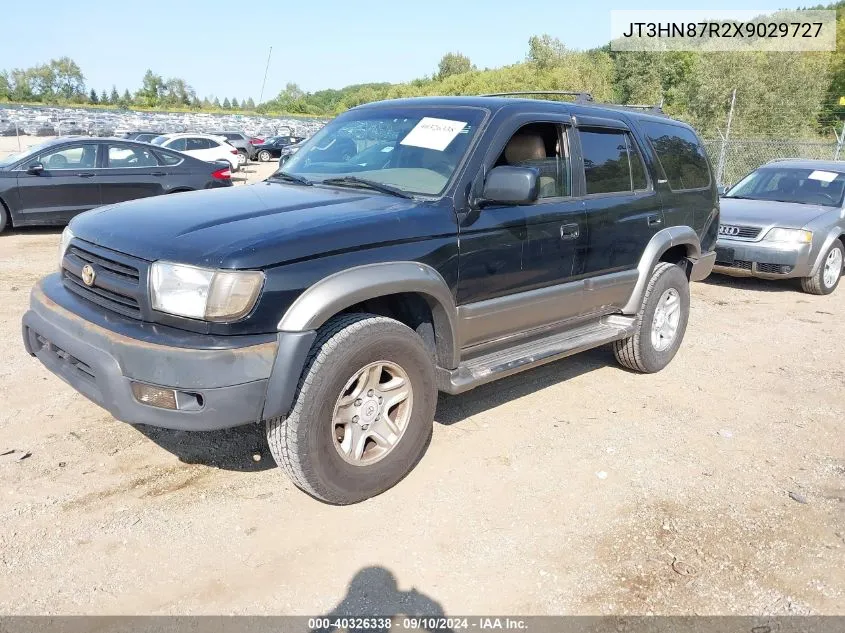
88	275
725	229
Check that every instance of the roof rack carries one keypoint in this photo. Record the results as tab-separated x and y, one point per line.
580	97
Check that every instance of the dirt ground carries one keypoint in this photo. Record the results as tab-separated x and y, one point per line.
576	488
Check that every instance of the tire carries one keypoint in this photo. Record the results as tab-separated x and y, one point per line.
264	156
638	352
818	284
4	217
242	158
308	444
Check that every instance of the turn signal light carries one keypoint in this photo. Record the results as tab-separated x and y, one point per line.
154	396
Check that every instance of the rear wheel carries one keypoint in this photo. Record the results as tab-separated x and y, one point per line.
363	413
661	322
827	276
4	217
242	158
264	156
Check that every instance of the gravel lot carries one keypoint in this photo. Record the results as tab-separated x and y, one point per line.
575	488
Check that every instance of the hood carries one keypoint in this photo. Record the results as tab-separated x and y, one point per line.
256	226
766	213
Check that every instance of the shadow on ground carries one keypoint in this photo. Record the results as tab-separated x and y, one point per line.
229	449
753	284
234	449
374	592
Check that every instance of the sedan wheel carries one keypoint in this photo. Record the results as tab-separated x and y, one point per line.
264	156
830	271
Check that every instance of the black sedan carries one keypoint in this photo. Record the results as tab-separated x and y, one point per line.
51	182
272	147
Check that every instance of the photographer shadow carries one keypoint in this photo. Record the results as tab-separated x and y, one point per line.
374	593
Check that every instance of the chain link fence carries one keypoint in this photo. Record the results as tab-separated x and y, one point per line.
734	158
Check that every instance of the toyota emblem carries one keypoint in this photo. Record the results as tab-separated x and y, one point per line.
88	275
725	229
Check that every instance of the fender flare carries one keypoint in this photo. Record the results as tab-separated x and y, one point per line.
834	234
660	242
340	290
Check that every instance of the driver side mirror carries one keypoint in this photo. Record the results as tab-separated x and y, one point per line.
510	185
721	190
35	168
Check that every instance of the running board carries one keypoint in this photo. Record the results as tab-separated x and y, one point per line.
495	365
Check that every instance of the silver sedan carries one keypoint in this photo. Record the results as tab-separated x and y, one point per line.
785	220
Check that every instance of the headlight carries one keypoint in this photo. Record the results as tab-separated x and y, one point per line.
67	236
794	236
202	293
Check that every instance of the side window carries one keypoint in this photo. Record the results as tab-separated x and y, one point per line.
542	146
82	156
170	160
127	156
192	143
606	165
639	180
178	144
680	154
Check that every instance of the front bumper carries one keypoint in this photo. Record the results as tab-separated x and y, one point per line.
224	381
766	260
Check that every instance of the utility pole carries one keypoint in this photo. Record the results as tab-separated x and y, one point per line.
720	170
266	68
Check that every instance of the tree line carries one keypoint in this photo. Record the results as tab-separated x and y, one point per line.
778	94
61	82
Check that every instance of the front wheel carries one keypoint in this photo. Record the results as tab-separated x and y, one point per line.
4	218
242	158
661	322
363	414
827	276
264	156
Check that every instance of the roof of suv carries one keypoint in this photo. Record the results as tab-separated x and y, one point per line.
495	103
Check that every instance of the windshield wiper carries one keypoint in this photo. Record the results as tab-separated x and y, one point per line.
354	181
283	175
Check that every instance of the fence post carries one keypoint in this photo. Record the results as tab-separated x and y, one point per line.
720	170
839	141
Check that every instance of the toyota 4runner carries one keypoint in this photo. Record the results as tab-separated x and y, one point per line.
478	237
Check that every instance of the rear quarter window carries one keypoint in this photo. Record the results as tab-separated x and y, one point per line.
681	155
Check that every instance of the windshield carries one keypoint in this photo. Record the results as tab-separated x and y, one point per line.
415	150
159	140
789	184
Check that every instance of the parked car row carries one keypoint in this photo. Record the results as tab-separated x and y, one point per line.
50	183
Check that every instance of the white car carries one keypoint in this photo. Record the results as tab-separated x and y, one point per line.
202	146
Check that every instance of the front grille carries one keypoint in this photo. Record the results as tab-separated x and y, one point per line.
742	232
117	281
773	269
741	264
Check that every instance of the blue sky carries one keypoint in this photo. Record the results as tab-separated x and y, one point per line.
220	46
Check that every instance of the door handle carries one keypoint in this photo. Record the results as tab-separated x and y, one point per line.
655	220
86	175
158	173
569	232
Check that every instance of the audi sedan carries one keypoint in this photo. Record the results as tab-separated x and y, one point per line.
786	220
56	180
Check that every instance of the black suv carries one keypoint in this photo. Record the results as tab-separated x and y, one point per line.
332	301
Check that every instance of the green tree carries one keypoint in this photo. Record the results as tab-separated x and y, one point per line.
92	97
453	64
114	97
216	103
152	88
104	97
227	105
126	100
250	104
68	80
5	86
545	51
235	105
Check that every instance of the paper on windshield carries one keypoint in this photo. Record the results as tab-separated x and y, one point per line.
432	133
824	176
